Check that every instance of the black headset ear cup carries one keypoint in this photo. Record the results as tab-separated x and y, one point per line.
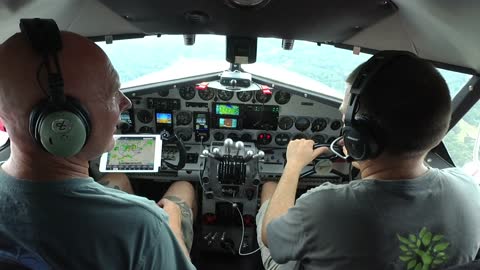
359	140
76	107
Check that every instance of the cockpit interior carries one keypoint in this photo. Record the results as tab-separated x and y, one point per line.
228	84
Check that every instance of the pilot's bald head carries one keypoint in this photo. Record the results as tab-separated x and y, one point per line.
86	70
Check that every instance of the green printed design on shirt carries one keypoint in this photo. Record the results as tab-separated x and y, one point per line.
424	251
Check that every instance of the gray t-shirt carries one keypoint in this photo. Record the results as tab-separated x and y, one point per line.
80	224
425	223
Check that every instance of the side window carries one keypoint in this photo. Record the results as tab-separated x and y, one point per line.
463	142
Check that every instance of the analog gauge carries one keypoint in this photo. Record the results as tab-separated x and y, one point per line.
206	94
246	137
184	118
233	136
302	123
144	116
225	95
163	92
299	136
285	122
282	97
244	96
330	140
319	138
185	134
187	92
336	125
282	139
145	129
218	136
261	97
264	138
319	124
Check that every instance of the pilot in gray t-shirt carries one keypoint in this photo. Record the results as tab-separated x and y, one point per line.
432	221
80	224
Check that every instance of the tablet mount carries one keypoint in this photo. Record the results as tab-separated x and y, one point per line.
181	150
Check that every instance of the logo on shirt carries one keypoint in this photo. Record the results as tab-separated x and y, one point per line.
424	251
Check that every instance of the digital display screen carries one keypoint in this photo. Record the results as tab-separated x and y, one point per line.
132	153
201	122
125	116
227	109
164	118
227	123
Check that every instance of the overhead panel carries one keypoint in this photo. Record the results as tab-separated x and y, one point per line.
301	19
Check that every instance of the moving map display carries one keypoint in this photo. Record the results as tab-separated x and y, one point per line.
133	153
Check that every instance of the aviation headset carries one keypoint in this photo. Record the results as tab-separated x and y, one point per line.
59	123
358	135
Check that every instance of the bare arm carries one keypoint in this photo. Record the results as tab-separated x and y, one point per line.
299	154
175	222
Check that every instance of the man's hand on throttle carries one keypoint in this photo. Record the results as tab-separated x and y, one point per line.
300	153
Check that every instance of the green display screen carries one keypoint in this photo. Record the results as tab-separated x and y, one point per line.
227	109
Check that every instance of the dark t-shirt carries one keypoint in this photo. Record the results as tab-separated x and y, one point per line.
424	223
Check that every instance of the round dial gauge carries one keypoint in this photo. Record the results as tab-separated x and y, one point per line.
206	94
261	97
225	95
282	139
218	136
282	97
246	137
336	125
233	136
163	92
184	118
187	92
144	116
299	136
285	122
319	124
244	96
145	129
185	134
331	139
302	123
319	138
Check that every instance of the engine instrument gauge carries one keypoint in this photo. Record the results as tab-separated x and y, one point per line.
185	134
336	125
206	94
319	124
225	95
282	97
302	123
184	118
163	92
285	122
261	97
246	137
187	92
218	136
245	96
282	139
319	138
144	116
233	136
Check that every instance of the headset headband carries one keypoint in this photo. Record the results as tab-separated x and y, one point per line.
44	36
363	78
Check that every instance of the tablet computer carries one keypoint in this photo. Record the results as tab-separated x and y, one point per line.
133	153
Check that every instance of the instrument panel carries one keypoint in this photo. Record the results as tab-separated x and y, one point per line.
268	118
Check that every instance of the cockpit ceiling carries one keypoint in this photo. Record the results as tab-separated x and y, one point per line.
444	31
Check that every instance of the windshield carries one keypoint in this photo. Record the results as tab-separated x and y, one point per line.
318	68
